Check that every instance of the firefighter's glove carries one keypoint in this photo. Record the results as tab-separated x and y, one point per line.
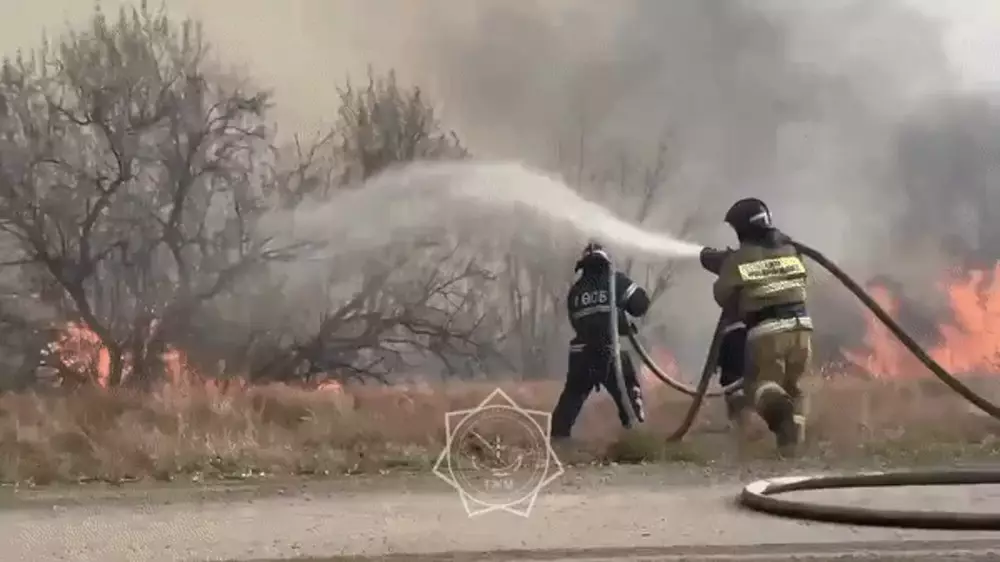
711	258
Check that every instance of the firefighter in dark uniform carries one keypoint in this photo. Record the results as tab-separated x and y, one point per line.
732	366
591	364
765	281
732	350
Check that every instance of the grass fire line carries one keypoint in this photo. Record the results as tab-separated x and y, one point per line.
197	427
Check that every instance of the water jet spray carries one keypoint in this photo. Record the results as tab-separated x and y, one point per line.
472	200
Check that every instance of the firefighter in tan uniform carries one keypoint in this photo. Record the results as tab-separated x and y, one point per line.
764	281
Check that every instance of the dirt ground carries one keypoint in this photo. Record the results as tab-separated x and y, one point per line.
654	512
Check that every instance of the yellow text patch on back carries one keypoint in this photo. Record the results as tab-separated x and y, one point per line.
789	266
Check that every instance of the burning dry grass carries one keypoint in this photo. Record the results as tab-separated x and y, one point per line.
196	426
207	432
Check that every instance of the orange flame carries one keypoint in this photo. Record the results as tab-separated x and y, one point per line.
665	360
330	386
80	351
883	355
970	342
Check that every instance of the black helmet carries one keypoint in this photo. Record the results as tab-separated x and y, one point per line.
593	256
748	215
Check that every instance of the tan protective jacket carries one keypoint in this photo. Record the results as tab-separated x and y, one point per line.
755	279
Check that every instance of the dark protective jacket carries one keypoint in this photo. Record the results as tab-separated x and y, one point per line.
588	305
764	281
712	260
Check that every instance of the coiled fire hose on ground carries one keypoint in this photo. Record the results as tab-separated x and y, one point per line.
761	495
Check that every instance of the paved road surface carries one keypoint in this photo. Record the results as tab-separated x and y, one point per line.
623	514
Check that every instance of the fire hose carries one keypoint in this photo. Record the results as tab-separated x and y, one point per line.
762	495
675	384
616	346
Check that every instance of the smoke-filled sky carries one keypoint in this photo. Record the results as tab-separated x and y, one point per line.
870	127
796	101
341	36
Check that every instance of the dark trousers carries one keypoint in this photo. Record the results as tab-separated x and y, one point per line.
732	362
590	368
732	356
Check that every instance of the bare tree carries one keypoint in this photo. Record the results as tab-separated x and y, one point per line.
130	177
405	304
653	187
535	311
132	180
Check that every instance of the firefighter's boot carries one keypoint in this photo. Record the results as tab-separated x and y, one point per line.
788	437
737	411
778	410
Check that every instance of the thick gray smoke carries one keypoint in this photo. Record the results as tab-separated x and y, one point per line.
805	103
794	104
844	115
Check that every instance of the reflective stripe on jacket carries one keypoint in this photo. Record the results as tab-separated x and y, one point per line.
767	287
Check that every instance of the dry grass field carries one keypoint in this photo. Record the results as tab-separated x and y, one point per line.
202	431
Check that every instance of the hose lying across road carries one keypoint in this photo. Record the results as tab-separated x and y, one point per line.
761	495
